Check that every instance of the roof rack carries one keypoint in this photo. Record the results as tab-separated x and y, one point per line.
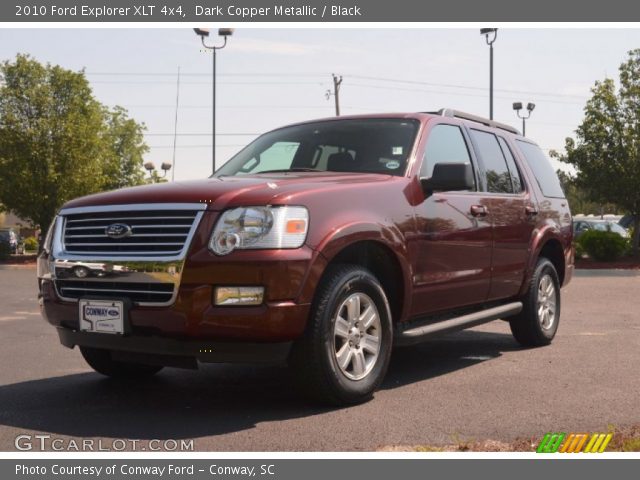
449	112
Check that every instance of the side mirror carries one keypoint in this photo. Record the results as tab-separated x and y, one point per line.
449	177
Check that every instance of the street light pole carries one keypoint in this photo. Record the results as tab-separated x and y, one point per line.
223	32
517	106
493	33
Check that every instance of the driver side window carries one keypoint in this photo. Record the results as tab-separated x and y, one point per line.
445	144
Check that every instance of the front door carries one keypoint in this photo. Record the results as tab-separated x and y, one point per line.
453	234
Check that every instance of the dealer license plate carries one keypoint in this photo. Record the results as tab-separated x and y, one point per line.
103	316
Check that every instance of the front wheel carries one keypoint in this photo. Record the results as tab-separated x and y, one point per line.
538	322
344	354
100	360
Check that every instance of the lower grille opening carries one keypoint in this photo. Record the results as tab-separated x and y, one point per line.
137	292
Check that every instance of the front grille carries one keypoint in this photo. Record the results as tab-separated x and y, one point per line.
155	233
137	292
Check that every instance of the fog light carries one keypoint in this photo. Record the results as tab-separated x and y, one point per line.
239	295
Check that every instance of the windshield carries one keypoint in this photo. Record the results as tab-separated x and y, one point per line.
363	145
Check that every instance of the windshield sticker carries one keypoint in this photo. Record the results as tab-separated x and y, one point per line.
392	165
396	150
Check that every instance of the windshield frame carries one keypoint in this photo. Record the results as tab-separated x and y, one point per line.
408	161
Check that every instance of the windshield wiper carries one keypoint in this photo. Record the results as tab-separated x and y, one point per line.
297	169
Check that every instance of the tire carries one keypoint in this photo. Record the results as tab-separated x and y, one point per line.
537	323
100	360
338	360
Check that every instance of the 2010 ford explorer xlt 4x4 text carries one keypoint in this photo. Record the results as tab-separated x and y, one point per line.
323	244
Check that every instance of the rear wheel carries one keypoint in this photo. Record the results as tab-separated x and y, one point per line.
100	360
344	354
538	322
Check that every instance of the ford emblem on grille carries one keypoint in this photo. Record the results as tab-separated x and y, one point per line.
118	230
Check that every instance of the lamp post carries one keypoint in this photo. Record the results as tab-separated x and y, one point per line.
223	32
490	36
517	106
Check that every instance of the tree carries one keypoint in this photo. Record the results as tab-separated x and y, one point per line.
126	150
57	142
606	152
580	200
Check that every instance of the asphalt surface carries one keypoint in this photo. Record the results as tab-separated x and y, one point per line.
473	385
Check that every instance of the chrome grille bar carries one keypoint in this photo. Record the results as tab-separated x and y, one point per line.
156	232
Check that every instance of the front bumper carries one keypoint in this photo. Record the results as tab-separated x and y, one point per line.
184	326
176	353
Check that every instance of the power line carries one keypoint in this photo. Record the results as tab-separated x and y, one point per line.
324	75
201	134
468	87
451	93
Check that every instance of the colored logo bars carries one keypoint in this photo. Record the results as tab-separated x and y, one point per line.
574	443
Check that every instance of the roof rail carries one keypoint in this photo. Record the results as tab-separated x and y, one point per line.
449	112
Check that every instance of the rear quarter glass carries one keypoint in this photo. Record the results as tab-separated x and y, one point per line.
543	171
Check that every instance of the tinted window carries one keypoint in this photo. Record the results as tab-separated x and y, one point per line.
496	171
516	179
376	145
542	169
444	145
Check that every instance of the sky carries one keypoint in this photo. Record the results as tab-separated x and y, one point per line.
269	77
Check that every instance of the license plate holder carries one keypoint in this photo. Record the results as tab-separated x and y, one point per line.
102	316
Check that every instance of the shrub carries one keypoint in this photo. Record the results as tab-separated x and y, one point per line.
31	243
603	246
5	250
579	249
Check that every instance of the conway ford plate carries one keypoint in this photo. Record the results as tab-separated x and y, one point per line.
104	316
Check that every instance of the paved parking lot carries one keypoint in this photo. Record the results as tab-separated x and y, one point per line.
472	385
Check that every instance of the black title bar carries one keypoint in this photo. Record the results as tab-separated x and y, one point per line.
227	11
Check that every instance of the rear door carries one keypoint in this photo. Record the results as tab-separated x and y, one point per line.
452	251
510	211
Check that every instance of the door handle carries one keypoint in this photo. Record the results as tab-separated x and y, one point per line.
531	210
479	210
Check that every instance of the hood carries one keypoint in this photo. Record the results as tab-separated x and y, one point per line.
220	193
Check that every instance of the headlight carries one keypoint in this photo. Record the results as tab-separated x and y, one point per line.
260	227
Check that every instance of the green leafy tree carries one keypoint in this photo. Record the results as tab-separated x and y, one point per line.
57	142
126	150
606	151
581	201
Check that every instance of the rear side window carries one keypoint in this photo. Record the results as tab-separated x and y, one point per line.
542	170
516	179
495	165
444	145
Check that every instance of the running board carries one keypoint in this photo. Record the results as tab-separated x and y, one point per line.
418	334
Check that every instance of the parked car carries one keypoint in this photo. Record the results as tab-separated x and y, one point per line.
627	221
325	244
10	237
585	224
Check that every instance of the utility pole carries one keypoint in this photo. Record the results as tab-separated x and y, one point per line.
175	128
337	80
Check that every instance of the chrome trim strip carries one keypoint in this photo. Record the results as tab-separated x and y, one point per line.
116	290
134	208
101	235
171	244
132	226
111	219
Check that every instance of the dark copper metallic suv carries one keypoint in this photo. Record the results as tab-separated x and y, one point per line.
323	244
